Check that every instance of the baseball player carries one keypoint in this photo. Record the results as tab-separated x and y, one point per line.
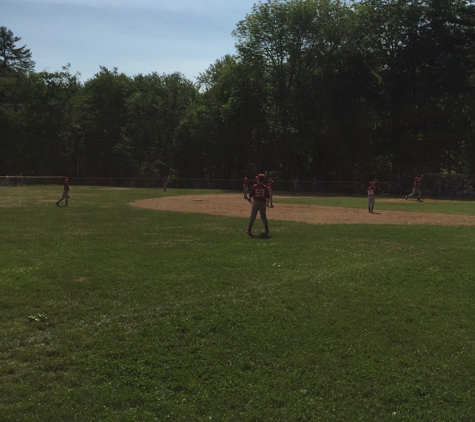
270	185
259	194
245	188
296	185
165	183
371	194
66	189
416	189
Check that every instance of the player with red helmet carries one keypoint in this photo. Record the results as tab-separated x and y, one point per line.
259	194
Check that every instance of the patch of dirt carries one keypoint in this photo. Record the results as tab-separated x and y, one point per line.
233	205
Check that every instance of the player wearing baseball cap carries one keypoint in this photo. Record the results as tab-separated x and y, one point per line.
66	189
259	194
417	189
371	193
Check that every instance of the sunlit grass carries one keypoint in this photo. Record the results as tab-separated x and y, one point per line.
158	315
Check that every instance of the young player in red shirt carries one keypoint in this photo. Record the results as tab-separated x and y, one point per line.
371	194
259	194
416	189
66	189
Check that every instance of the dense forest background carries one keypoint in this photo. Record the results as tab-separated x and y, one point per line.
315	88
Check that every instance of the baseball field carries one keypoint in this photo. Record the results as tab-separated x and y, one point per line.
140	305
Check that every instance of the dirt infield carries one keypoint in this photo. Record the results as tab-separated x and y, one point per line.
233	205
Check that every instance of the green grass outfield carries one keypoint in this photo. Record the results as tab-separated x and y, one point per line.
385	203
156	315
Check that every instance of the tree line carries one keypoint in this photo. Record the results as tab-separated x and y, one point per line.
316	88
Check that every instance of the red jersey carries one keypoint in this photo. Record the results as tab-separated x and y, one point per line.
372	190
417	183
259	192
271	185
245	182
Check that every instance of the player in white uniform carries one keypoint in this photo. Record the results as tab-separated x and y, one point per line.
371	194
245	188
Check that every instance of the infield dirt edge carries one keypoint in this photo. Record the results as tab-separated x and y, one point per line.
234	205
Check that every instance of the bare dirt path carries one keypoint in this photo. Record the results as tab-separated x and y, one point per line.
233	205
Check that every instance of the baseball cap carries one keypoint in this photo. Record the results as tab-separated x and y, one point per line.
260	176
371	183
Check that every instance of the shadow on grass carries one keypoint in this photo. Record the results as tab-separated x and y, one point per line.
262	236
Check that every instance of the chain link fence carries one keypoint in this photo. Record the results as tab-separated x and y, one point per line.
433	185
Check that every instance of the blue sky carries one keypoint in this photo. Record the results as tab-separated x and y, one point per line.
136	36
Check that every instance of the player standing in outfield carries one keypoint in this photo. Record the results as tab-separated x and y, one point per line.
270	185
296	184
66	189
245	188
371	194
417	189
259	194
165	183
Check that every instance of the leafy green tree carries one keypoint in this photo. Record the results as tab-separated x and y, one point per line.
12	126
292	41
422	55
15	62
235	96
13	58
449	39
38	124
49	141
103	114
191	146
154	111
333	105
224	130
319	88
